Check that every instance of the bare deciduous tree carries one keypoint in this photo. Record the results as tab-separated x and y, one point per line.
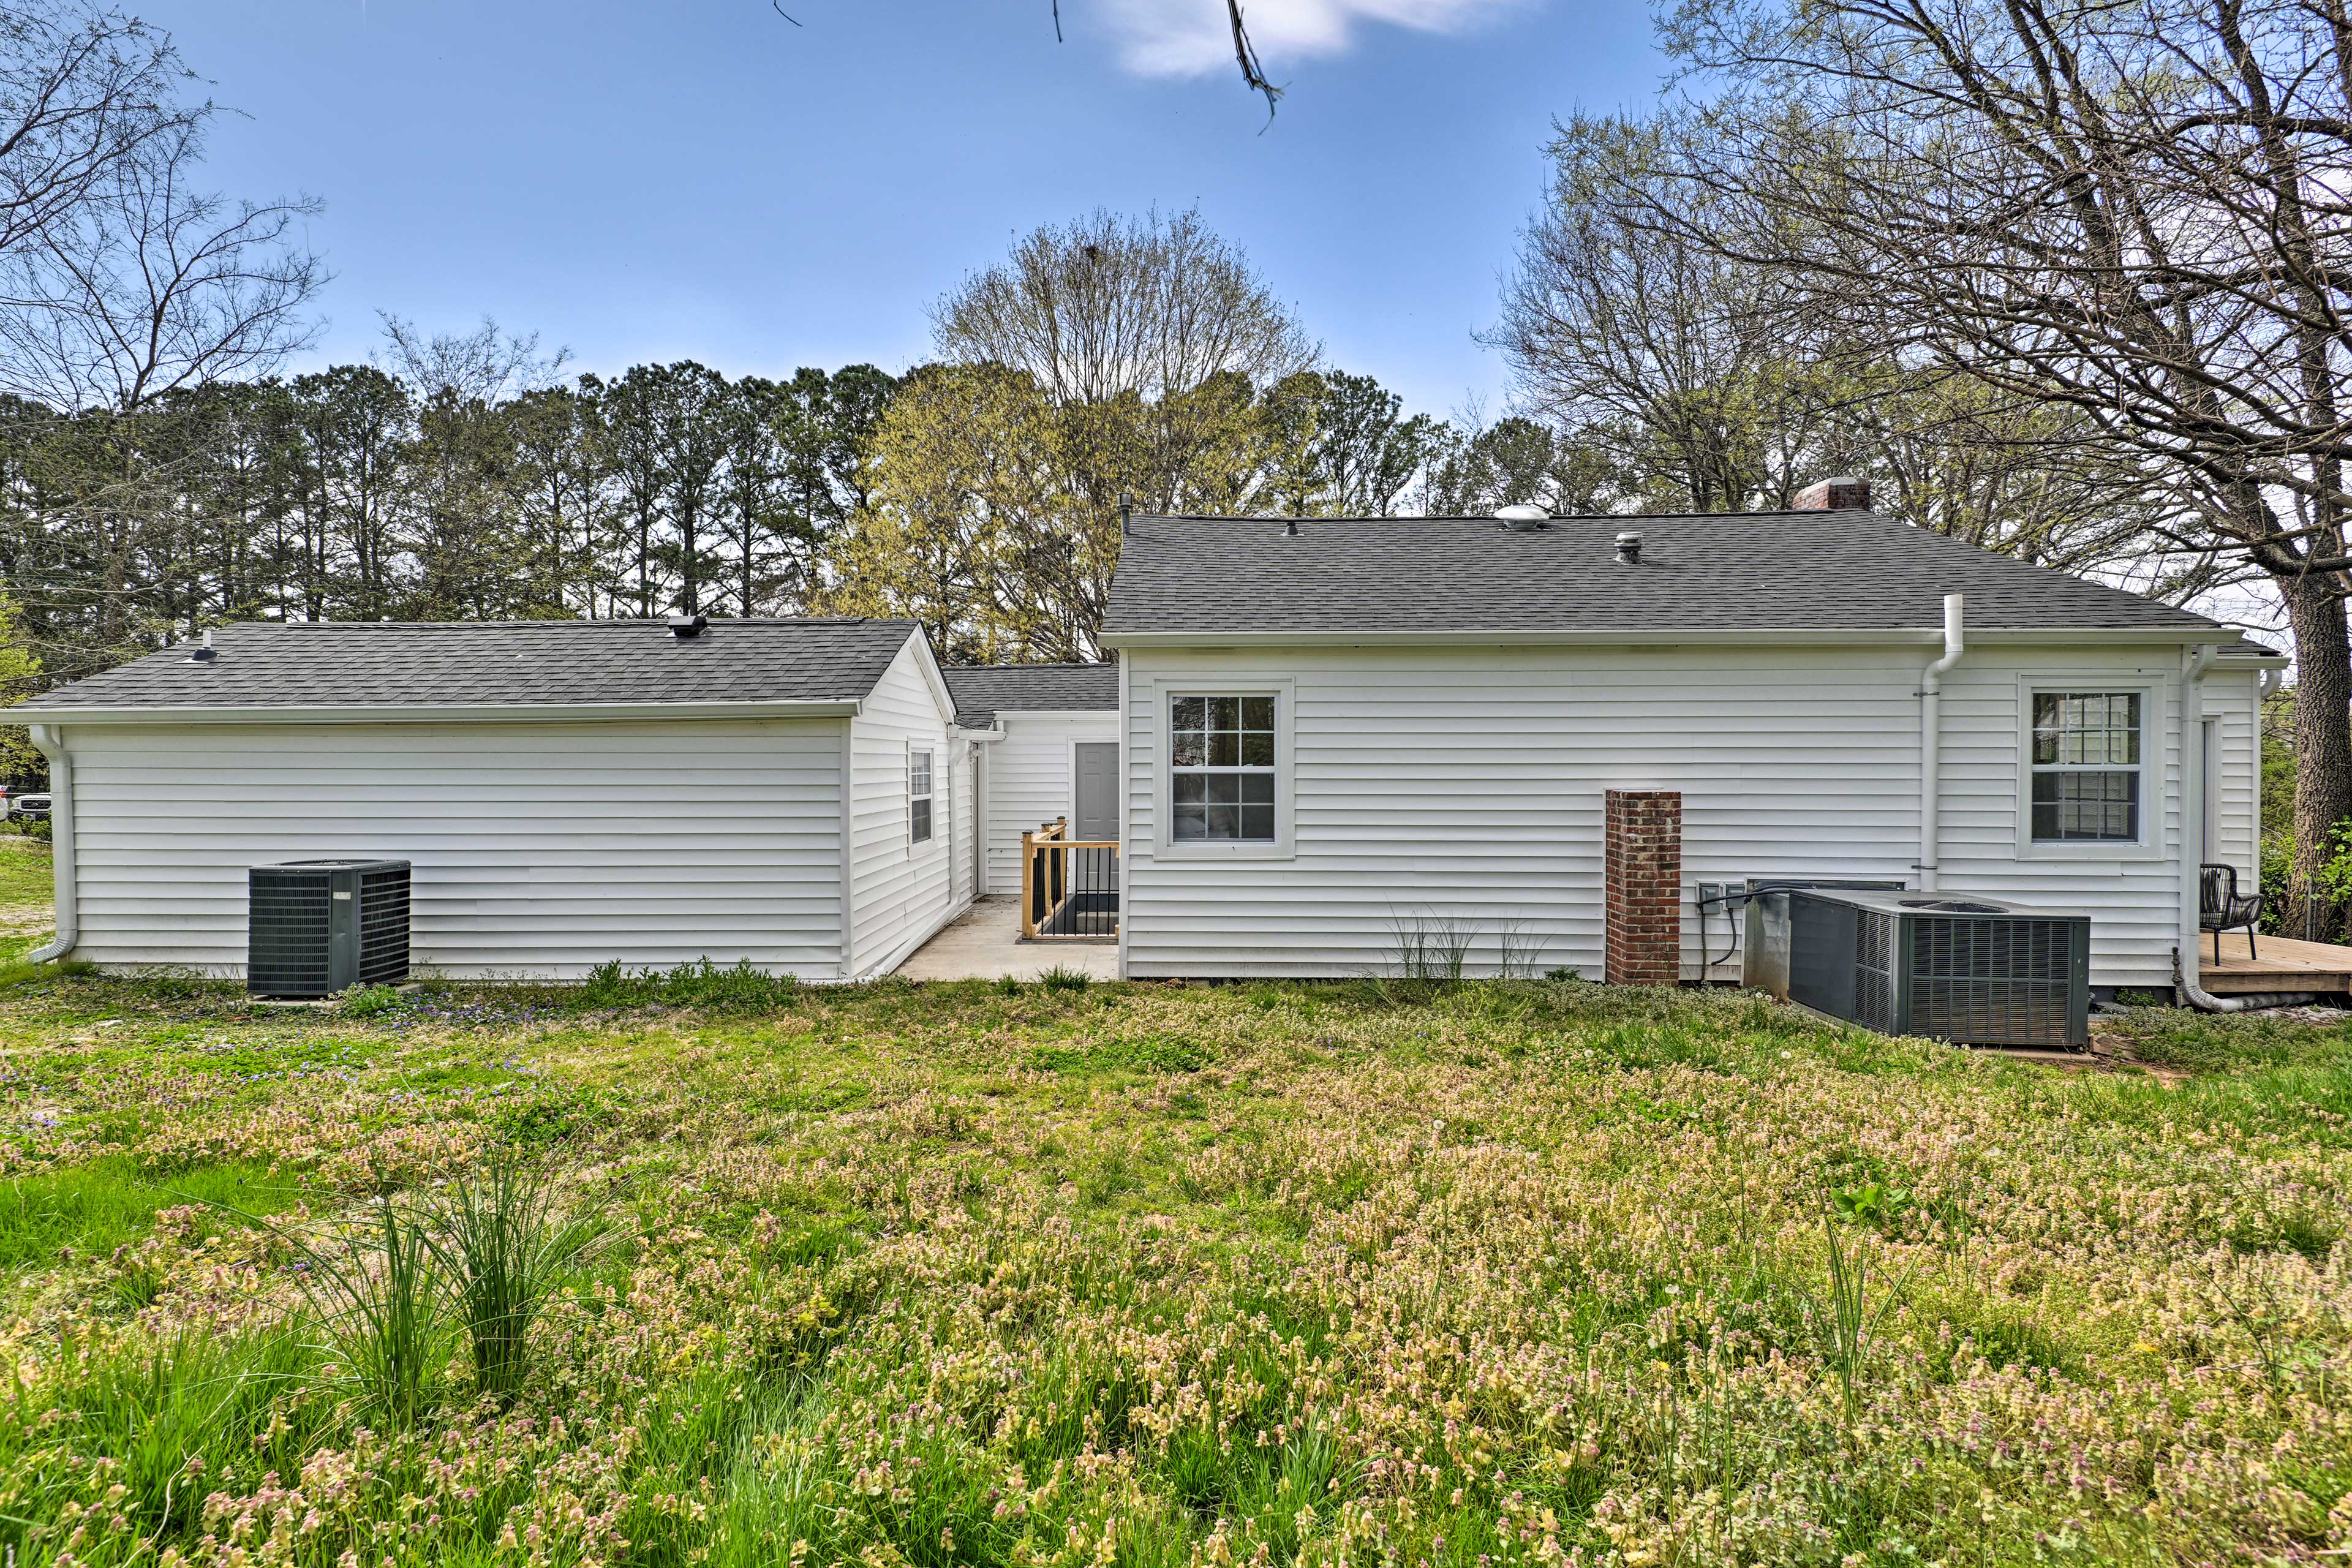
82	89
151	284
1109	305
2138	212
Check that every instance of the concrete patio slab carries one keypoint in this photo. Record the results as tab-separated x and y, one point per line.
985	944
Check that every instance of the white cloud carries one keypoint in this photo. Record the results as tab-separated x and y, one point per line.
1187	38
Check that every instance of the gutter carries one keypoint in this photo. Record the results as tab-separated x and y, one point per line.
50	742
1756	636
1931	740
447	713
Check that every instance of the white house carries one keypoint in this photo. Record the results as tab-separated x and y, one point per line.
796	795
1339	730
1319	735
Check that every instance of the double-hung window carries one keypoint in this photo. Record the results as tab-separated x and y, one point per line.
2086	767
1221	769
918	796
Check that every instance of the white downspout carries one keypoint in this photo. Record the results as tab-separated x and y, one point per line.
50	742
1931	731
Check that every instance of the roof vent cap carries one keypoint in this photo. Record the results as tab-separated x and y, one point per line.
691	626
205	653
1629	547
1524	519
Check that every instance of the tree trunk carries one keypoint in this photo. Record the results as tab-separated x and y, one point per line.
2323	741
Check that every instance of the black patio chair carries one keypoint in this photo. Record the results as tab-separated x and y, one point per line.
2219	908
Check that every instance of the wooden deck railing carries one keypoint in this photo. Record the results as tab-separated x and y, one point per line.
1069	887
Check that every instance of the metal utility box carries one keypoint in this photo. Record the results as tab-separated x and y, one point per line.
1764	946
1976	971
315	928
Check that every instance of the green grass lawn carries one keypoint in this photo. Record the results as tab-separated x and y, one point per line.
24	869
1149	1275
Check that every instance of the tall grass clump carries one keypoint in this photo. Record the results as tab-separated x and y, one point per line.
1849	1314
502	1241
1432	949
376	1291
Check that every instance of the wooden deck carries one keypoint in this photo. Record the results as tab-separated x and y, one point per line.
2285	965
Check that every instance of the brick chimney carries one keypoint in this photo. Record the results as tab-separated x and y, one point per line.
1834	495
1642	832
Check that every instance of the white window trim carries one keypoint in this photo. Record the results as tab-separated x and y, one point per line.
2156	749
1159	705
915	845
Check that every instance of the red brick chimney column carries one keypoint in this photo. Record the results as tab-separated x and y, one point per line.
1642	829
1833	495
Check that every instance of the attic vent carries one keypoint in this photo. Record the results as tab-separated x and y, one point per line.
1524	519
687	626
1629	547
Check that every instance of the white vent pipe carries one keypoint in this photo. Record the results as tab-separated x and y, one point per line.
1931	734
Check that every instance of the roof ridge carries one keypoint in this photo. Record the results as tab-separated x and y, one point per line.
1790	570
568	623
1057	663
1489	518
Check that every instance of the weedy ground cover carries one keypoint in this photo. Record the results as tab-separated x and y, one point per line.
705	1268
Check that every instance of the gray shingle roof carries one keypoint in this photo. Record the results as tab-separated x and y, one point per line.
982	693
1737	572
463	663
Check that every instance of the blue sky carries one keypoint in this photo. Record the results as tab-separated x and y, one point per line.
702	179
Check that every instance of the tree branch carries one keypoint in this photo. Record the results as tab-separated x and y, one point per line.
1245	55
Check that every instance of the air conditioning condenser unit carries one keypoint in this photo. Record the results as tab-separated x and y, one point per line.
316	927
1976	971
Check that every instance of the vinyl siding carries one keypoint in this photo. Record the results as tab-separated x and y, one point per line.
539	849
1467	784
899	891
2234	700
1029	785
